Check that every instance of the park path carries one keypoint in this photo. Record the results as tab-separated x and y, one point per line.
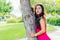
53	35
56	34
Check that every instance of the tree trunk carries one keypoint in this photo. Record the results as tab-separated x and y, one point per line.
28	18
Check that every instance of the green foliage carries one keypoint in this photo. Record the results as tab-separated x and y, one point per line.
50	5
33	2
5	7
54	21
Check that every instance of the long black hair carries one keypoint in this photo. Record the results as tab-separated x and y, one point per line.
37	18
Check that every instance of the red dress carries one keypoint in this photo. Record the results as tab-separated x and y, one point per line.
43	36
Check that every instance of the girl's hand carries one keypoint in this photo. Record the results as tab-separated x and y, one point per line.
31	34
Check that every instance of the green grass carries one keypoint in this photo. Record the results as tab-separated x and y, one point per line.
50	29
12	31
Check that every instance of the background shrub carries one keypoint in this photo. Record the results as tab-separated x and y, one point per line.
54	21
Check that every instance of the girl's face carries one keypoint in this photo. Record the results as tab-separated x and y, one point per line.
38	9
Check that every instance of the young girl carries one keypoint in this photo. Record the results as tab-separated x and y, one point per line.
40	23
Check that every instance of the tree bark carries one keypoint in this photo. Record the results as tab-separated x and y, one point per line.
28	18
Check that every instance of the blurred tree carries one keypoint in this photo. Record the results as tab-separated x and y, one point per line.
5	7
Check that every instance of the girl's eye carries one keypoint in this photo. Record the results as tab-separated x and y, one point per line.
38	8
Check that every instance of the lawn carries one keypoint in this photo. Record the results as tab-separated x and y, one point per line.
12	31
